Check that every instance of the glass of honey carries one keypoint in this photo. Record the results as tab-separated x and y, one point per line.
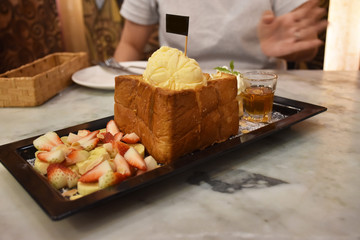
258	95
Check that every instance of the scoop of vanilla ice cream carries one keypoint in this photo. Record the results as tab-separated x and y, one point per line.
169	68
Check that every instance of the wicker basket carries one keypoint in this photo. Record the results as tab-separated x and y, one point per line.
34	83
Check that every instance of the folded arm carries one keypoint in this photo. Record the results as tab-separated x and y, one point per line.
133	41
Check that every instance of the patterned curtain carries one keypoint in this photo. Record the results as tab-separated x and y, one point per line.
103	26
29	29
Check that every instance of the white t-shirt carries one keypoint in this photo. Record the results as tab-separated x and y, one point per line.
219	30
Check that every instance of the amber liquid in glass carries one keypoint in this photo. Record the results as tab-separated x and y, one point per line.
258	103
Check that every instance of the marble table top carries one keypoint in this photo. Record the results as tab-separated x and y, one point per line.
300	183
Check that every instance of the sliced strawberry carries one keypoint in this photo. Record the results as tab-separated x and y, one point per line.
89	144
110	178
43	144
64	140
150	165
40	166
140	148
108	137
75	147
122	166
112	128
88	137
71	177
101	135
121	147
63	148
72	137
131	138
76	155
110	148
56	176
94	174
112	165
47	142
53	138
83	133
60	176
118	136
134	159
55	156
90	141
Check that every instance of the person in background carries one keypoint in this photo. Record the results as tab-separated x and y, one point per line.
257	34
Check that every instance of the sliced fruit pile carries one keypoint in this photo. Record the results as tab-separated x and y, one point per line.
88	161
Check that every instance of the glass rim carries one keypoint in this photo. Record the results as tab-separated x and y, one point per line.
265	76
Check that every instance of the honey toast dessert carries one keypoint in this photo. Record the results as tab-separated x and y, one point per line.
174	107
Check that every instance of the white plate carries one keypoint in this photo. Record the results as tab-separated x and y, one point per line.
102	78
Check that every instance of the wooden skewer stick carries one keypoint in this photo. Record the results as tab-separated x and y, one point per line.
186	40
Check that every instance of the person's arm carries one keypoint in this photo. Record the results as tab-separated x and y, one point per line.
292	36
133	40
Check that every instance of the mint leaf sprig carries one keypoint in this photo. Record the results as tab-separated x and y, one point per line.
229	70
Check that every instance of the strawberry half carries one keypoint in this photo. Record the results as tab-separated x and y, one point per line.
94	174
151	163
55	156
118	136
90	144
109	147
108	137
110	178
88	137
76	155
122	166
134	159
47	142
60	176
53	138
90	141
43	144
131	138
72	137
112	128
83	133
121	148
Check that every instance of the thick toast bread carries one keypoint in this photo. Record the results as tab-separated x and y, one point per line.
173	123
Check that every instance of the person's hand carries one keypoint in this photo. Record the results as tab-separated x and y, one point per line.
292	32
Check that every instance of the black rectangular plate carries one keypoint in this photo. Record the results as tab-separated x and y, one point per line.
14	157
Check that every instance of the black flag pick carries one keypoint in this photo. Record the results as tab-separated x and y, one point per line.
179	25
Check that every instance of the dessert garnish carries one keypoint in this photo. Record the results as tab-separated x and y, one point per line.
231	70
87	161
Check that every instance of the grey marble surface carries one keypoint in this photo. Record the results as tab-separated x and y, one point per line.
301	183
